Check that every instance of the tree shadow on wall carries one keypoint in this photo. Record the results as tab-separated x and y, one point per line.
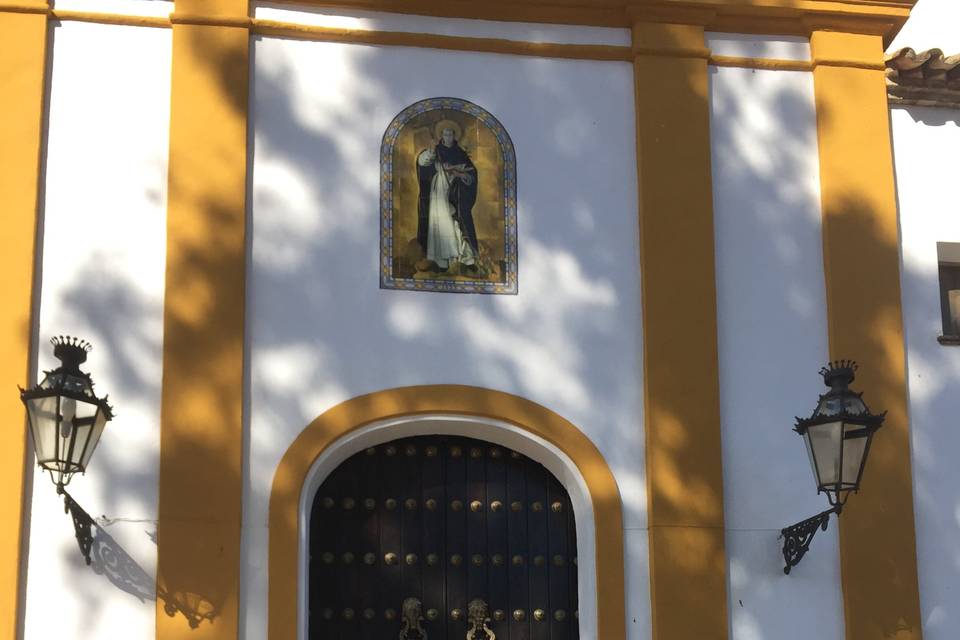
106	557
198	533
879	349
123	324
185	583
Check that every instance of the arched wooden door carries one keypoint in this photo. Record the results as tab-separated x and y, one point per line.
447	525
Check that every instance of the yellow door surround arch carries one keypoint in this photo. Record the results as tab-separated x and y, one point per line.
499	406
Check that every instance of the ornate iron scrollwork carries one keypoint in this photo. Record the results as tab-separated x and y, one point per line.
82	523
477	618
411	628
108	558
797	537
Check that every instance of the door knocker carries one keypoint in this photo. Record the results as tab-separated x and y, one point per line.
411	629
477	618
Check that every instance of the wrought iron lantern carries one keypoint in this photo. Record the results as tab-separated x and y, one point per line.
66	416
838	437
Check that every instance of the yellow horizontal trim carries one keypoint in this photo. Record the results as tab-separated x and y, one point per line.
784	17
434	41
456	43
849	64
776	64
771	64
110	18
384	38
672	52
461	43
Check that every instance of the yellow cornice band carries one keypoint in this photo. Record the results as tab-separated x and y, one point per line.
738	16
771	64
743	16
848	64
452	43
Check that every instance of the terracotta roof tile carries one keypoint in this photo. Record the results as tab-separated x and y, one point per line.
927	78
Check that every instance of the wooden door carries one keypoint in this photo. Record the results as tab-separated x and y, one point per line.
447	523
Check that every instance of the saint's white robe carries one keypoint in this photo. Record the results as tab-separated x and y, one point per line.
445	240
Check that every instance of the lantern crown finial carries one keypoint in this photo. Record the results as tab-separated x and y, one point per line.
71	351
839	373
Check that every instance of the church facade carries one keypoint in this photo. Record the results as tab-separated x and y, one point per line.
445	319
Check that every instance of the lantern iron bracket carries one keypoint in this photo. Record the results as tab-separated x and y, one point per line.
797	537
82	523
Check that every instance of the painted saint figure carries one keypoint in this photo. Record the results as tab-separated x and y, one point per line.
448	191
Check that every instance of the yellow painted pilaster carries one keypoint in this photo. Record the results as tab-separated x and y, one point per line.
681	385
862	269
23	44
198	533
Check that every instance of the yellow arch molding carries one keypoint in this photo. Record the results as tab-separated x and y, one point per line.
431	399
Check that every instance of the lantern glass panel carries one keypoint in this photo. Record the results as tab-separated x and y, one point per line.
42	413
67	432
80	416
813	459
855	439
85	411
99	422
824	446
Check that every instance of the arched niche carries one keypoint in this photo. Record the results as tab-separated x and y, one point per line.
487	179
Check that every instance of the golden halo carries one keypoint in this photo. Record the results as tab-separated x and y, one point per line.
447	124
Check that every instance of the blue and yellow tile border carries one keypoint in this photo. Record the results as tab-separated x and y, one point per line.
508	285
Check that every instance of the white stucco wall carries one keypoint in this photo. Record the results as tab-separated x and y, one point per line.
926	145
321	331
932	24
103	257
771	321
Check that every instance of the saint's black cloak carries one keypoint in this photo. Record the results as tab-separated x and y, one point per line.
462	195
